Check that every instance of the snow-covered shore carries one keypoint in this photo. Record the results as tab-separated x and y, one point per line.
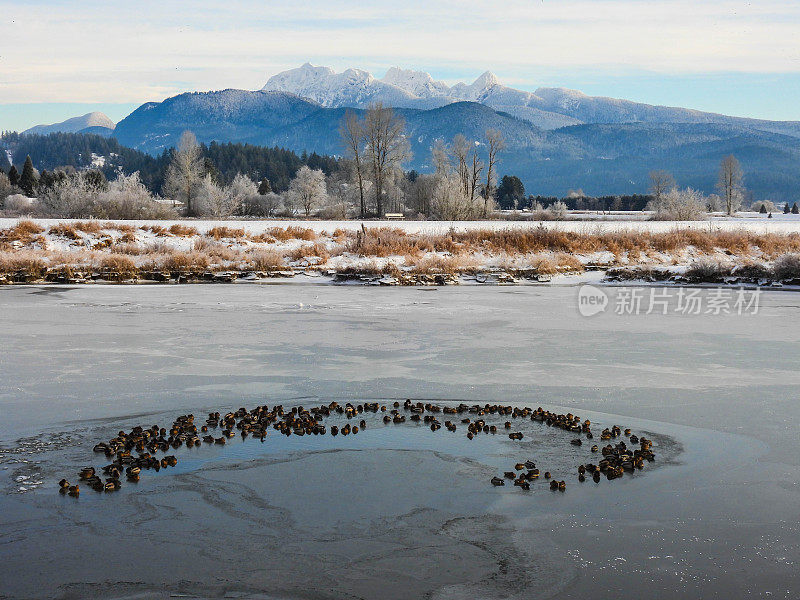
596	223
394	252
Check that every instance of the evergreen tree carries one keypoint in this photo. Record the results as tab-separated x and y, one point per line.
511	192
786	209
28	181
96	179
795	210
13	175
264	187
763	210
209	168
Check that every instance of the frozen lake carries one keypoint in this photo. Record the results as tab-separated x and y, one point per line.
396	512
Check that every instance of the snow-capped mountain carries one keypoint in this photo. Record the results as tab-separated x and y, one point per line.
353	88
96	122
417	83
547	108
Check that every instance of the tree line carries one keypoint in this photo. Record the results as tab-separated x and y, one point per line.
368	180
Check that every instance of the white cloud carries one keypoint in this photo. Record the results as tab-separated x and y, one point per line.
123	51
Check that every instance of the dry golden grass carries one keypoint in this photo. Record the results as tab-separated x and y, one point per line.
25	232
183	230
219	233
178	261
315	250
264	238
156	229
282	234
66	230
265	260
89	226
544	250
29	262
119	267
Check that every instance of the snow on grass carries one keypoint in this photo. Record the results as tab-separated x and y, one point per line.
750	222
385	247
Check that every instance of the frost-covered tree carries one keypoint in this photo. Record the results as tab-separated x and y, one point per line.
558	209
241	191
126	197
763	206
71	197
214	200
730	184
680	205
307	190
184	178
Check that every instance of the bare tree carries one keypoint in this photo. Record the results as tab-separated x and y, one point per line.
308	188
387	147
185	172
460	150
352	133
495	144
661	182
468	165
730	183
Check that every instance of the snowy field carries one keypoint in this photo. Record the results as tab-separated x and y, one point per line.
378	514
752	222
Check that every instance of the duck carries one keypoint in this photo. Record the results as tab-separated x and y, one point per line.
562	485
74	491
596	476
510	475
497	481
547	475
576	442
86	472
554	485
63	485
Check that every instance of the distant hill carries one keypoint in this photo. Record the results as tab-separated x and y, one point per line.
94	122
605	158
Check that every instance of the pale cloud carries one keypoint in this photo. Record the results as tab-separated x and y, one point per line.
135	51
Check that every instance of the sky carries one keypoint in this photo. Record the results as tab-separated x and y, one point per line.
62	58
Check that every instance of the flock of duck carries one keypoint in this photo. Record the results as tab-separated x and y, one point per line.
136	451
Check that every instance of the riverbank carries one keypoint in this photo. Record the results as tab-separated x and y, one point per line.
78	252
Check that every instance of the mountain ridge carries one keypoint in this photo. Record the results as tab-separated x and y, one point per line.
548	108
601	158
